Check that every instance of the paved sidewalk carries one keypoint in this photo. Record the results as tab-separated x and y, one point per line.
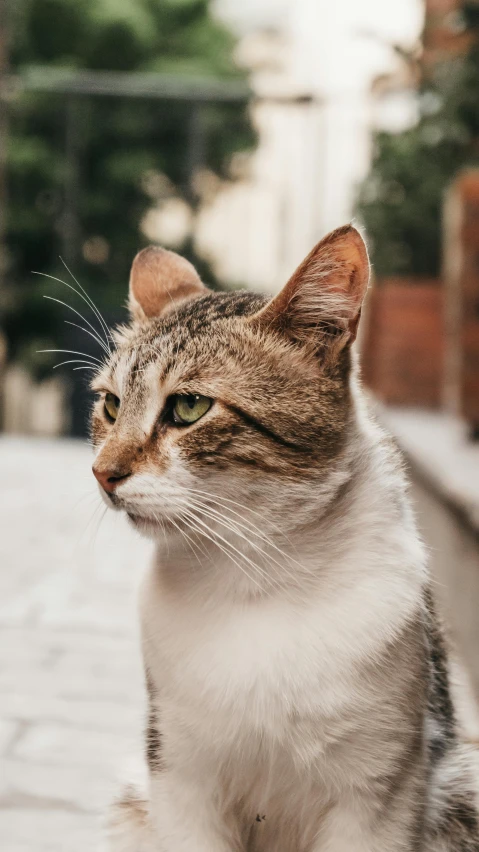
71	691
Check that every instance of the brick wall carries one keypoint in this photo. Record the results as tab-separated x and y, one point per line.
443	35
403	342
461	275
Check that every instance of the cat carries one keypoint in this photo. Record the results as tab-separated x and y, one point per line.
296	670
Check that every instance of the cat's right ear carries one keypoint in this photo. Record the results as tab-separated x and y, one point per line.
320	306
159	281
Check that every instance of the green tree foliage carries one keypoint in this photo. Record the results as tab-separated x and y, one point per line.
401	200
129	153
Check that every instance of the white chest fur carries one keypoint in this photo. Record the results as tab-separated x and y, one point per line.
275	669
266	701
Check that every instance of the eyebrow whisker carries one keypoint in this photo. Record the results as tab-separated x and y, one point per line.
74	290
66	305
90	301
73	352
76	361
95	336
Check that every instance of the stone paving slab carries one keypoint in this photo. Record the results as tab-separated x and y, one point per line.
71	683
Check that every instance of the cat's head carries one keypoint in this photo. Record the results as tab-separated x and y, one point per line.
227	403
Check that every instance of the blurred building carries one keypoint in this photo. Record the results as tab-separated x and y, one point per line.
312	67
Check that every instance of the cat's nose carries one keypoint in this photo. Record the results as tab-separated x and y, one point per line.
109	479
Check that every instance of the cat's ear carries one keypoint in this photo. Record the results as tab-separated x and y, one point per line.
159	281
321	303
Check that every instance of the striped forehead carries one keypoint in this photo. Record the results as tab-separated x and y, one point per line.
145	370
150	358
174	343
140	390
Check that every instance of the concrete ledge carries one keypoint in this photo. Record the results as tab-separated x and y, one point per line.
438	449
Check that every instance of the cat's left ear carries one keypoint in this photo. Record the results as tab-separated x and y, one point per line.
159	281
321	303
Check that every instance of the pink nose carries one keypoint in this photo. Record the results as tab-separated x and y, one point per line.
109	479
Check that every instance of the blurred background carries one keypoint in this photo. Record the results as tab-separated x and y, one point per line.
238	134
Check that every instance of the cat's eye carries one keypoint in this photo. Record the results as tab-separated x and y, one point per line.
188	408
112	404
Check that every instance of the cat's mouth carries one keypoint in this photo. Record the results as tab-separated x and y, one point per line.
148	524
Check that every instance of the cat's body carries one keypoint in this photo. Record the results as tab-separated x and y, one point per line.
296	673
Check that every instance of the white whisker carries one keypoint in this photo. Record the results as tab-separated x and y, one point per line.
246	525
211	536
272	564
66	305
234	528
76	361
90	367
73	352
95	336
194	547
91	302
237	529
95	532
74	290
239	506
227	543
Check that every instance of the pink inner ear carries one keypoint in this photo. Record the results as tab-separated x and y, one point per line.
160	279
339	264
326	291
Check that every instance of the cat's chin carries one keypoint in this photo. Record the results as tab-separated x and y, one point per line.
145	526
150	527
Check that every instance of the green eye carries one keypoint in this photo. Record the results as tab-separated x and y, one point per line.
112	404
188	408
